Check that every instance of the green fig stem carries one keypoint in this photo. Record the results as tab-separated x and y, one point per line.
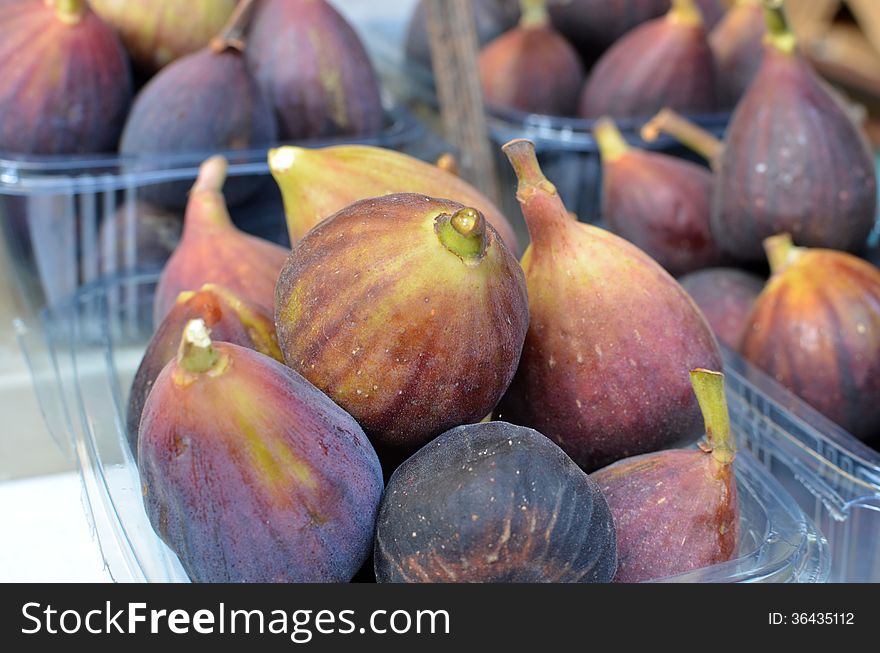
69	11
781	252
196	353
206	205
611	143
233	34
709	388
779	35
533	13
690	135
463	233
685	12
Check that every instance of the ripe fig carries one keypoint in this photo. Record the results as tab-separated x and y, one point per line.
726	297
212	250
612	336
314	69
138	236
493	502
816	329
156	32
658	202
515	67
713	11
408	311
250	474
677	510
177	111
666	62
230	319
316	183
738	45
66	80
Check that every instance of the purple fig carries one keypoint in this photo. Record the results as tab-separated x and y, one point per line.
726	297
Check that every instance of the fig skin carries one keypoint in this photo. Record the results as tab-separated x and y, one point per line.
250	474
658	202
726	297
67	85
314	70
738	46
493	502
793	162
406	334
154	231
156	32
667	62
230	319
611	337
317	182
213	250
816	329
515	69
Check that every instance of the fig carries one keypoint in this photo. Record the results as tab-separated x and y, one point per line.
408	311
177	111
677	510
611	337
726	297
66	80
816	329
514	67
592	26
493	502
316	183
250	474
713	11
156	32
138	235
230	319
667	62
658	202
315	71
737	44
212	250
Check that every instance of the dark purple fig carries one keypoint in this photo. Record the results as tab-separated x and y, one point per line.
738	45
658	202
250	474
230	319
611	336
532	67
677	510
667	62
493	503
138	236
408	311
156	32
713	11
726	297
66	80
314	69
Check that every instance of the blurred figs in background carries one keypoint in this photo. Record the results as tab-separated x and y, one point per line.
737	43
726	297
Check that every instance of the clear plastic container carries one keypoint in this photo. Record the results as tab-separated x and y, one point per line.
84	355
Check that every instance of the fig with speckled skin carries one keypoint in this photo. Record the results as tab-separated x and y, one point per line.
658	202
531	67
667	62
230	319
816	329
213	250
726	297
250	474
738	45
611	336
317	182
493	502
408	311
66	80
677	510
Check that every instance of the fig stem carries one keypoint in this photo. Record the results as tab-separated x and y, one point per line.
533	13
781	251
463	233
448	163
690	135
779	35
611	143
685	12
233	34
206	205
69	11
196	353
709	388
